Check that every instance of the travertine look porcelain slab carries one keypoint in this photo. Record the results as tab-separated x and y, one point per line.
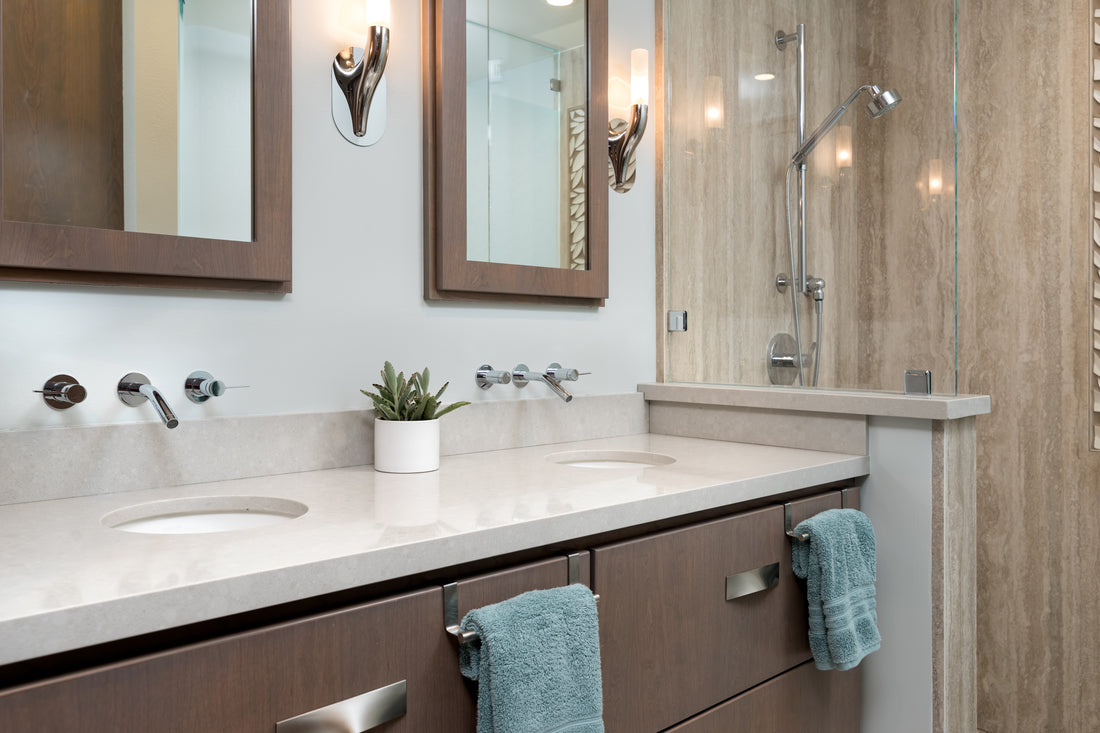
78	582
882	404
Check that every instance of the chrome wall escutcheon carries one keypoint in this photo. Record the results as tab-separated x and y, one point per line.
752	581
354	715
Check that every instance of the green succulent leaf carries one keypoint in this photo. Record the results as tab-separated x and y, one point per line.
398	398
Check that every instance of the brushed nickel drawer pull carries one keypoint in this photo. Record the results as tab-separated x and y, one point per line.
752	581
355	715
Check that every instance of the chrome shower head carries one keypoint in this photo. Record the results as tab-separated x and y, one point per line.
881	101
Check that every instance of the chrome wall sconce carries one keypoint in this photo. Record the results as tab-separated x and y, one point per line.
357	81
623	136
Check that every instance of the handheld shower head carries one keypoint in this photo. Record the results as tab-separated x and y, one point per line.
881	103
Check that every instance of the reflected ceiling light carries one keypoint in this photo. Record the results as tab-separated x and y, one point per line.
935	178
357	79
714	102
559	3
766	76
623	137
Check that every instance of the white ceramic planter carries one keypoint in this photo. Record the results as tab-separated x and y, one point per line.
406	446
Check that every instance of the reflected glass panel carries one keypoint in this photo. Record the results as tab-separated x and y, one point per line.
525	103
129	114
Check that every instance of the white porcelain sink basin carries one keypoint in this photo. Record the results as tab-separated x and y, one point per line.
204	514
610	459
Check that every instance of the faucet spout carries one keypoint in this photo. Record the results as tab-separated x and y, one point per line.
134	388
160	405
556	388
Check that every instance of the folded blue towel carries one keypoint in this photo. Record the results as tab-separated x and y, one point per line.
838	564
538	664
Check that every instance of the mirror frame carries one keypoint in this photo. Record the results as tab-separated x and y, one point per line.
448	275
39	252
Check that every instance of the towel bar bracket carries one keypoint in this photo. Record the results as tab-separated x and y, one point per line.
796	536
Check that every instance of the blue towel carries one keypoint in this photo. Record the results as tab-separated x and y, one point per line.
538	664
838	564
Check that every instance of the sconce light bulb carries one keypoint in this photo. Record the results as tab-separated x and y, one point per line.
376	12
639	76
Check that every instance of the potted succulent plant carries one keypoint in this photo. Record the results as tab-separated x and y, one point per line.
406	423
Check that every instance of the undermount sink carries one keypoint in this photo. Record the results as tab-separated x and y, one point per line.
204	514
610	459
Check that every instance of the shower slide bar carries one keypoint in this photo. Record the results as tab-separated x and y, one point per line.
450	604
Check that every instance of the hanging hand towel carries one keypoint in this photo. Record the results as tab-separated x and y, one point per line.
538	664
838	564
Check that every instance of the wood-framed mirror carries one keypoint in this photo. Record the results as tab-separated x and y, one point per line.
98	245
487	64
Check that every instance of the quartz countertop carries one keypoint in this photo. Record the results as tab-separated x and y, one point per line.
70	581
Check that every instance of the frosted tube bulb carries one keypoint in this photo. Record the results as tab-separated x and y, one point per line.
935	177
843	146
713	101
639	76
376	12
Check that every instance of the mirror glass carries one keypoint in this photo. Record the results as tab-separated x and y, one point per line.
525	133
130	115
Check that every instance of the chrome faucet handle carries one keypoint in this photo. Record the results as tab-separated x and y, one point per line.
521	375
486	376
201	386
62	392
134	388
563	374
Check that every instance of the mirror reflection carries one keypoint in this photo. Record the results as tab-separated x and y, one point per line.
526	124
129	114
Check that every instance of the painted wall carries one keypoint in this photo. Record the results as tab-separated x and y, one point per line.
357	297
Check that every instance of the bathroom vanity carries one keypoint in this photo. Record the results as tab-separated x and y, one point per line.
356	599
105	629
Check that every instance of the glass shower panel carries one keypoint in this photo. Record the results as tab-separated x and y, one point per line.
514	134
879	213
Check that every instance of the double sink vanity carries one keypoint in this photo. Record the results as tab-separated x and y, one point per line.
131	607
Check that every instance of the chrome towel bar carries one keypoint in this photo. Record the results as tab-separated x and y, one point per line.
452	622
802	536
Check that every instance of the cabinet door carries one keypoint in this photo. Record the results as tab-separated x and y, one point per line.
246	683
494	587
802	699
671	644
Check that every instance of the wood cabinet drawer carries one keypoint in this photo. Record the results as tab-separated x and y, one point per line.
248	682
495	587
671	644
802	699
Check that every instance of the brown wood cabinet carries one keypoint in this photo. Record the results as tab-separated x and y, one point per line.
672	647
671	644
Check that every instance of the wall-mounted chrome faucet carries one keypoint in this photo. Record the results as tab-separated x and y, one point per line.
486	376
201	386
554	375
62	392
134	388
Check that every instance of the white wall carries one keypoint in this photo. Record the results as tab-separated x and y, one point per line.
357	296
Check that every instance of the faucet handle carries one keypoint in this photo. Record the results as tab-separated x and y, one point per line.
563	374
201	386
62	392
486	376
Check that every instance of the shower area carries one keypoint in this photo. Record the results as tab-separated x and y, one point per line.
808	193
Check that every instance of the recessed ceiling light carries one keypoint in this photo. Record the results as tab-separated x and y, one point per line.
764	77
559	3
